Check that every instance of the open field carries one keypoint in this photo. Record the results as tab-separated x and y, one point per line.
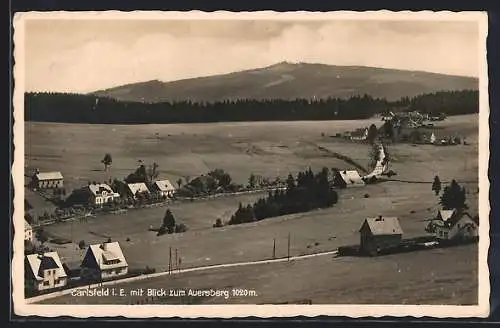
268	149
395	279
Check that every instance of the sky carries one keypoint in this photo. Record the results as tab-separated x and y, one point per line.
78	55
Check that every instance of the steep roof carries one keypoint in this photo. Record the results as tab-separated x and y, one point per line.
49	176
445	215
49	260
383	226
27	226
137	187
99	188
351	177
164	185
102	253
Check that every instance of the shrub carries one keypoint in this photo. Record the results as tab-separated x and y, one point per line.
181	227
218	223
82	244
367	196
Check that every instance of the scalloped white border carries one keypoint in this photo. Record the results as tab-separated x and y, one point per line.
264	311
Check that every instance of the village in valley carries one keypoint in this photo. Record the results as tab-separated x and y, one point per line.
57	259
187	161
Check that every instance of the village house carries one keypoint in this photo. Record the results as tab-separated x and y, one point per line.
102	262
164	188
380	233
455	225
133	189
101	193
44	271
387	116
347	179
359	134
28	231
47	180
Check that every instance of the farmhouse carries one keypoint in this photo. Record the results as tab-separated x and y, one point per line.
47	180
44	271
134	189
377	234
455	225
102	262
164	188
359	134
347	179
28	231
101	193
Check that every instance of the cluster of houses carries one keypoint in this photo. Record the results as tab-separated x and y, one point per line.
46	272
380	233
101	193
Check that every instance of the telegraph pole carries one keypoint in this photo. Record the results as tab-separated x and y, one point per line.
274	248
288	246
170	261
176	260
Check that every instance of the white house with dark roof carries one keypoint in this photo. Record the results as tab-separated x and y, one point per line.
45	271
379	233
136	188
101	193
103	261
348	179
28	231
164	188
47	180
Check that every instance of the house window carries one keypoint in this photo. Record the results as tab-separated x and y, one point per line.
46	283
446	235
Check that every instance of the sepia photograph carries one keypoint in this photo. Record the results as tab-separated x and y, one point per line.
195	164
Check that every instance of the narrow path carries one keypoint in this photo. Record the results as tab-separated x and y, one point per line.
165	273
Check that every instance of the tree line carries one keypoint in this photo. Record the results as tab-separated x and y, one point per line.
306	192
78	108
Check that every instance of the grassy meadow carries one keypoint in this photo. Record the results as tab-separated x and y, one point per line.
270	149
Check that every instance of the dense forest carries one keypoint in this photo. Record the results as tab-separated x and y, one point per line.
77	108
306	192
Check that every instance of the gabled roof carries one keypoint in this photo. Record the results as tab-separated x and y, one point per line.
38	263
137	187
164	185
456	217
27	226
351	177
97	189
445	215
383	226
101	253
49	176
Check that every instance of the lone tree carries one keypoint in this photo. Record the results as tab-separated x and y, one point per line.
453	197
252	180
107	160
168	221
372	133
436	185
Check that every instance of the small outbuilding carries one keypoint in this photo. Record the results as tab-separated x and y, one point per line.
348	179
380	233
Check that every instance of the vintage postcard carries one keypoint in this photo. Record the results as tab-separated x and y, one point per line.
192	164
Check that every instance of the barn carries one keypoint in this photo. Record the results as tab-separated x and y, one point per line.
380	233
